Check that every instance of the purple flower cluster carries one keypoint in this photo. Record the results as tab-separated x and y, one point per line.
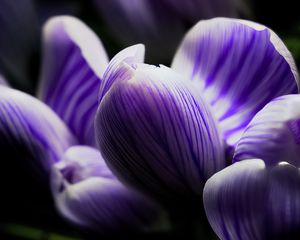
118	138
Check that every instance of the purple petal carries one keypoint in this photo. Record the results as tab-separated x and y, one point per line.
30	130
87	194
248	200
156	135
74	61
238	66
18	40
274	133
130	55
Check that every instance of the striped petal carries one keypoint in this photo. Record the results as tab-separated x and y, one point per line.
238	66
130	55
156	135
248	200
74	61
87	194
274	133
31	131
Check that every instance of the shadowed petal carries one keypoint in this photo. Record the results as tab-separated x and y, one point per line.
274	133
74	61
156	135
30	130
238	66
248	200
130	55
87	194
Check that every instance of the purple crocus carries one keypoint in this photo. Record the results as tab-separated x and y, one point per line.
258	197
47	133
166	130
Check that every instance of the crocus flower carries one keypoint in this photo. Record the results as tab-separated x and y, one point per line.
73	63
258	197
154	132
157	22
163	131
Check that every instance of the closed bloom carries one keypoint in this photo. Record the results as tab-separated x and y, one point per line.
40	131
258	197
166	130
154	131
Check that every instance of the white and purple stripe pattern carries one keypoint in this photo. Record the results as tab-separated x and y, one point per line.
274	133
88	194
30	130
130	55
249	200
74	61
238	66
155	135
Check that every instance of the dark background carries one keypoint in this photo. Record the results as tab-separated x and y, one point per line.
26	206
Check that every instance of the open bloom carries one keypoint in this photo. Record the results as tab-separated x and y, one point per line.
258	197
166	130
40	132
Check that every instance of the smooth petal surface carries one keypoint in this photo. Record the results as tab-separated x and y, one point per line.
156	135
74	61
238	67
18	41
248	200
274	133
31	131
87	194
130	55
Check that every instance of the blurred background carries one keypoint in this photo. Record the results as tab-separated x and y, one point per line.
26	207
